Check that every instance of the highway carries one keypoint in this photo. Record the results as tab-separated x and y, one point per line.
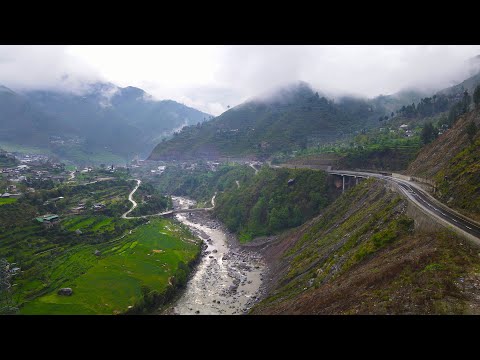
432	206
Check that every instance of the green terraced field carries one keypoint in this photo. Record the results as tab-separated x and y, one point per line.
112	282
89	223
4	201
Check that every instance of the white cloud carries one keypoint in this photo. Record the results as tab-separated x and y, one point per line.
211	78
44	66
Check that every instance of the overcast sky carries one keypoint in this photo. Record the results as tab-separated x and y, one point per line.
210	78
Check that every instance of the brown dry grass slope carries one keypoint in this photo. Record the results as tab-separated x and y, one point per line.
363	256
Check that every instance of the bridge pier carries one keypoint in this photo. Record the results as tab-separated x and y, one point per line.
347	180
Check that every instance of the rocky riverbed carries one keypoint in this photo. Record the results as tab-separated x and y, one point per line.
228	279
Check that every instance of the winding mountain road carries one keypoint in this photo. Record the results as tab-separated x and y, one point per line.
130	198
427	202
461	224
165	213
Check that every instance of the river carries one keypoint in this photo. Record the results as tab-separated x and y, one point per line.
228	278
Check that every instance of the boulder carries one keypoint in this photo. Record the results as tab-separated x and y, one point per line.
65	291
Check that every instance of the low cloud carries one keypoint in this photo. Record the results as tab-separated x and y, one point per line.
44	67
337	70
212	78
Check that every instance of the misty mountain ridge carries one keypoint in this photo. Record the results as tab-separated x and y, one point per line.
292	116
103	118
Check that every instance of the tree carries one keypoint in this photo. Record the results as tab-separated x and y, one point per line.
429	133
466	101
476	96
471	130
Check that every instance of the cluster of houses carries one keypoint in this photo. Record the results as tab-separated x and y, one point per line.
408	132
159	170
24	173
402	129
57	140
11	192
82	206
16	174
34	159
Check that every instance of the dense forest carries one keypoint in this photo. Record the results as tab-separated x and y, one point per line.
273	200
253	205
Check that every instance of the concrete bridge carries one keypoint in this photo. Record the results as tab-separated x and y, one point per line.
171	213
346	180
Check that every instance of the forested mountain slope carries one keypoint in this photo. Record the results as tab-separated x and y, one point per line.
293	117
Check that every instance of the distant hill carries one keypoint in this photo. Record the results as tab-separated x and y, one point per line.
457	90
392	103
156	119
25	123
100	125
125	120
104	124
292	117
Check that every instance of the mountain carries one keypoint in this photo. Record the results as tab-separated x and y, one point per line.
98	125
25	123
157	119
365	255
457	90
123	120
392	103
292	117
106	123
452	161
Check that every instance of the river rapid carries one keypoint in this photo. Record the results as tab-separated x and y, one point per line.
228	278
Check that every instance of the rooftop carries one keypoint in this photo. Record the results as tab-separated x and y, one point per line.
48	217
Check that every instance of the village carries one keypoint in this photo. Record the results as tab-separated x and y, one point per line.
33	173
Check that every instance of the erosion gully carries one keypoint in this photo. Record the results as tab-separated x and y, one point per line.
228	278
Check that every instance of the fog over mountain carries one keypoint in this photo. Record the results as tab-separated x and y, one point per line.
212	78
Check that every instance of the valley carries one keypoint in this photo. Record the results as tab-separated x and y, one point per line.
295	200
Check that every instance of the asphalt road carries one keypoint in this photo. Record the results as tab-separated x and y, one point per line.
424	200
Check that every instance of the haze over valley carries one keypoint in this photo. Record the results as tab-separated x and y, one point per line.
229	180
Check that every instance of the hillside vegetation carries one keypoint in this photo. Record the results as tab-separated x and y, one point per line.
292	118
253	205
135	274
201	183
363	256
267	204
452	161
113	265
